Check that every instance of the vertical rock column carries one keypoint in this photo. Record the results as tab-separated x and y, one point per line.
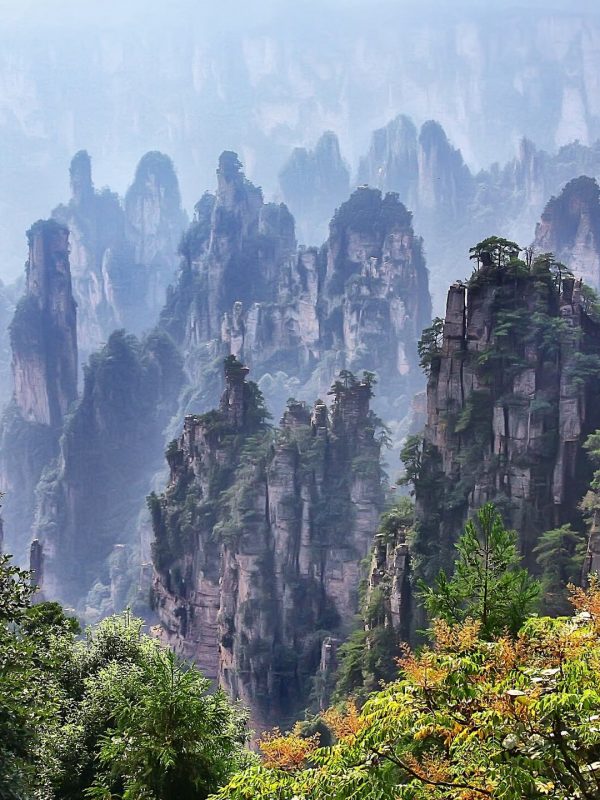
43	331
44	363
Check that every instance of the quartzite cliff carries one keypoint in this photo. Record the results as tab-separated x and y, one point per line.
299	316
44	346
510	401
260	536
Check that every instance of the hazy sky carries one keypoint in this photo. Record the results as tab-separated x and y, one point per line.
192	78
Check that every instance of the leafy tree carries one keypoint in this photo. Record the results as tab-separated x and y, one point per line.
466	719
487	585
412	458
429	345
591	302
28	690
134	722
560	553
17	673
494	252
171	738
591	502
369	655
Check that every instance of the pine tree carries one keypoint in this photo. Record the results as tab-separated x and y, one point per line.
488	585
560	553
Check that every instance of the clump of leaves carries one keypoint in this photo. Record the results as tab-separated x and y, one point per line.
467	718
488	584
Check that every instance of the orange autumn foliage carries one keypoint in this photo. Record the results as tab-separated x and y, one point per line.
288	751
345	726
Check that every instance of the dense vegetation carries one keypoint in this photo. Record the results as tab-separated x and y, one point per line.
113	714
498	704
521	354
466	719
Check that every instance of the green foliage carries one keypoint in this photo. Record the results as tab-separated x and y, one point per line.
31	660
113	716
591	302
487	584
170	738
583	367
559	553
369	655
590	504
411	455
237	504
467	719
18	677
495	252
429	345
365	211
366	659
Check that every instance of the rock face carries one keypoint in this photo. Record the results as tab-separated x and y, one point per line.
510	400
570	228
154	223
314	183
90	497
427	172
43	330
281	84
297	316
454	207
44	347
259	539
121	259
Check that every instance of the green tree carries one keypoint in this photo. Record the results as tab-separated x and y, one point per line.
466	719
412	458
369	656
135	722
17	675
172	739
560	553
29	694
494	252
487	584
591	502
429	345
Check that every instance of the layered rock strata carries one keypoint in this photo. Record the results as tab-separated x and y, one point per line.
570	228
297	316
510	400
44	361
259	539
123	256
89	498
454	206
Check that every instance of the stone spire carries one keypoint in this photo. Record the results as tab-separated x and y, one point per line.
233	398
80	171
43	330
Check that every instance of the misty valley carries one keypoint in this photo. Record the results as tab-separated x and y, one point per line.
300	474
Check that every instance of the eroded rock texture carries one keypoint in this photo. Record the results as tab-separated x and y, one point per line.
44	361
122	258
510	400
454	206
314	183
90	496
259	539
570	228
297	316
